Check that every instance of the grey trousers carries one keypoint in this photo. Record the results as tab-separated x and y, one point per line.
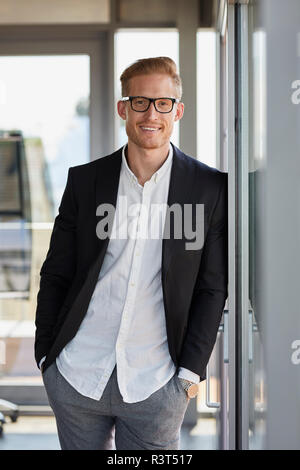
111	424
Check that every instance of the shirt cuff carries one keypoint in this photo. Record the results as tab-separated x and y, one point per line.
188	375
41	361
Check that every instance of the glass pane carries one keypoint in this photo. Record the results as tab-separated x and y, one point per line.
209	398
257	155
15	239
133	45
206	97
44	129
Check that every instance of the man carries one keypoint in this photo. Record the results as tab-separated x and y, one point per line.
126	324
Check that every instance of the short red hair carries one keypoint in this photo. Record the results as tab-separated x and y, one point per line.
163	65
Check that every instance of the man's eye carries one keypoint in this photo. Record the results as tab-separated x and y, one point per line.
140	102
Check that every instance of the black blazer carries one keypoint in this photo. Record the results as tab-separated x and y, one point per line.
194	282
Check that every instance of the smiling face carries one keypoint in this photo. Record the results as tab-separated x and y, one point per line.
150	129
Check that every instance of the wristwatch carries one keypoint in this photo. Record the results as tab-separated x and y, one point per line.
190	388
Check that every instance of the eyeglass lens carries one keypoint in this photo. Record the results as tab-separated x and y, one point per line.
164	105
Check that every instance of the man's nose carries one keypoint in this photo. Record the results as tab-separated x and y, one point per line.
151	111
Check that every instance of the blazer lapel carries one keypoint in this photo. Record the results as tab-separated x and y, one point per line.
106	190
179	193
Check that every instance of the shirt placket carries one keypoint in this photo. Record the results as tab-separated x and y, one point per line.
132	284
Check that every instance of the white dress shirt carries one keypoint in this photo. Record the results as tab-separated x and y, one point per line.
125	320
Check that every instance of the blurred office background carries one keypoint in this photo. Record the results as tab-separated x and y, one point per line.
60	63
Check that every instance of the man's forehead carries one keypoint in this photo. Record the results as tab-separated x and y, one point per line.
151	83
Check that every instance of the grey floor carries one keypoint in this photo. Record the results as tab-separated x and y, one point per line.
39	433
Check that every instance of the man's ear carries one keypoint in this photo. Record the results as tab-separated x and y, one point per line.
179	111
121	105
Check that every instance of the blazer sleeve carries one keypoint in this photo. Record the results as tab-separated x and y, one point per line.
210	291
57	271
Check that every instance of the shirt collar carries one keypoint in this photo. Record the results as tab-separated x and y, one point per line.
157	175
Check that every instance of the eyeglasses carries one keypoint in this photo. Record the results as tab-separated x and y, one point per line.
140	104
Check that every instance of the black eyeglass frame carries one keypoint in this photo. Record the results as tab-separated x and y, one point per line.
151	100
